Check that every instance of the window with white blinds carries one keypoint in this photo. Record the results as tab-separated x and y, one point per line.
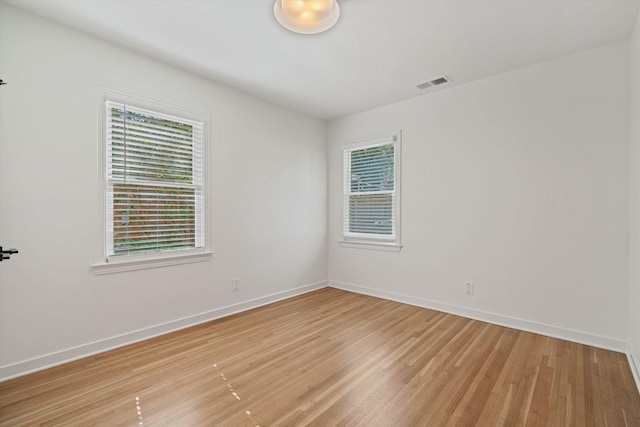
154	182
371	190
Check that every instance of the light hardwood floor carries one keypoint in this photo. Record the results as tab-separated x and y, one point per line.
334	358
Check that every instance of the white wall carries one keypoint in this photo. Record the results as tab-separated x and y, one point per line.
267	193
518	183
634	256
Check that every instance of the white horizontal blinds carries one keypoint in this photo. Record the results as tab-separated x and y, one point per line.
370	191
154	182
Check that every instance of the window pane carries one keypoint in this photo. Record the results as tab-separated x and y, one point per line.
150	218
371	213
372	169
150	148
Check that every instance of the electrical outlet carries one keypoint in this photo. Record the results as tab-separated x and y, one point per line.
469	288
235	284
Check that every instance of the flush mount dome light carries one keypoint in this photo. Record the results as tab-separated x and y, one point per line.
307	16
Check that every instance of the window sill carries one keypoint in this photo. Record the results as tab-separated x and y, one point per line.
142	264
374	246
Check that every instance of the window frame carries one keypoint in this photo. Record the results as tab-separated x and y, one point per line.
105	264
366	240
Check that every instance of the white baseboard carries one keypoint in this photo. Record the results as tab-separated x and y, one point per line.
497	319
8	372
19	369
634	363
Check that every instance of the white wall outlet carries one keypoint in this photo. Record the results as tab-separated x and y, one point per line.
469	288
235	284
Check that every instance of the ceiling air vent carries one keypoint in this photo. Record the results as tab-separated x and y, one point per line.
434	82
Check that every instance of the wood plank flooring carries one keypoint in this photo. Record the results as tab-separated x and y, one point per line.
332	358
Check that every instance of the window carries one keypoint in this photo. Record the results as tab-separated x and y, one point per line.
372	191
154	178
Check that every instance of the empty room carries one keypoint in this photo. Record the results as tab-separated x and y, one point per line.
320	212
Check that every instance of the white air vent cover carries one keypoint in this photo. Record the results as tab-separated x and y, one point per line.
433	82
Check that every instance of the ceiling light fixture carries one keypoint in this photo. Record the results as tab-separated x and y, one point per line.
307	16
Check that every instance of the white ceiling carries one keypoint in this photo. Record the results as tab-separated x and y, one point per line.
375	55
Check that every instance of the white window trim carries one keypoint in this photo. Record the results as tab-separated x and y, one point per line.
371	245
143	263
362	240
101	265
